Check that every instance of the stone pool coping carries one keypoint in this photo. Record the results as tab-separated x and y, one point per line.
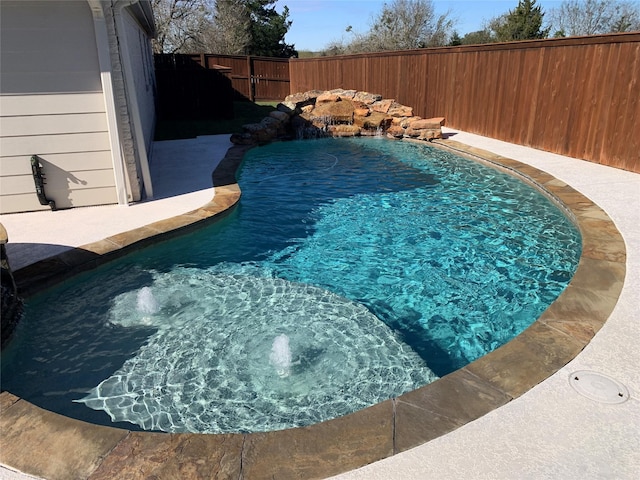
49	445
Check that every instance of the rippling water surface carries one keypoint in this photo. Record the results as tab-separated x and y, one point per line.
352	271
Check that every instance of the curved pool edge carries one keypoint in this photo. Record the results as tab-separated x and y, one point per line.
49	445
52	270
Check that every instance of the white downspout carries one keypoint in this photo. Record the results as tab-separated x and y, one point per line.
104	60
132	95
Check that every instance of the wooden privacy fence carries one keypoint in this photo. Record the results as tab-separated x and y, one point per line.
185	90
578	96
252	78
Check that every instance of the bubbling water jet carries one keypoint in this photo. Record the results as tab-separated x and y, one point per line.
280	356
147	303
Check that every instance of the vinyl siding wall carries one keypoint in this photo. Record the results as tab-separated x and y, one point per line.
51	104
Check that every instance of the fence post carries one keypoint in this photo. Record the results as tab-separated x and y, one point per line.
250	77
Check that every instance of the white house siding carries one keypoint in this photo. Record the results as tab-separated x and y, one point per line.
142	69
51	104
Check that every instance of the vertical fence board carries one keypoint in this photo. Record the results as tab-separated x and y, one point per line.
576	107
554	109
437	77
585	116
458	75
533	71
625	136
519	94
602	108
620	105
469	90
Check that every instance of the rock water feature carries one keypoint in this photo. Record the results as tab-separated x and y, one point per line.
11	302
339	113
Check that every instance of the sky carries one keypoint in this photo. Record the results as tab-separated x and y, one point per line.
316	23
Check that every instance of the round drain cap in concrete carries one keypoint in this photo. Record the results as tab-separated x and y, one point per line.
598	387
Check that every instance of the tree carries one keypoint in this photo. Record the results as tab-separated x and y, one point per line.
250	27
180	25
229	34
522	23
455	40
267	30
478	37
400	25
405	24
487	34
593	17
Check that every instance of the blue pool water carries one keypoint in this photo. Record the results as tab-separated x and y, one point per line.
352	271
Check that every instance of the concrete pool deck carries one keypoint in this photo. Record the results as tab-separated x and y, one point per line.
549	431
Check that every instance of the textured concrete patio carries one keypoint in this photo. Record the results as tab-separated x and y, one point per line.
492	419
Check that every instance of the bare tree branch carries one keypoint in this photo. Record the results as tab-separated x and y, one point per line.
402	24
592	17
180	24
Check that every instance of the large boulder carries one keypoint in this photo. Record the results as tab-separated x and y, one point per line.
344	94
431	123
344	130
398	110
373	121
367	98
382	106
425	129
287	107
327	97
280	115
341	111
305	98
395	131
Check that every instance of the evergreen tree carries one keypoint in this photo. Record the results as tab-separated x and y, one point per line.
522	23
267	30
455	40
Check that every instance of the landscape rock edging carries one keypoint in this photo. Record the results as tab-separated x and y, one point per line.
339	113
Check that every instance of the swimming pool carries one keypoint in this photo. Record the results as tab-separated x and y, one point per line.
307	233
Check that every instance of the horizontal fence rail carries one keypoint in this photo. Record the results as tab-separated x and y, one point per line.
578	97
